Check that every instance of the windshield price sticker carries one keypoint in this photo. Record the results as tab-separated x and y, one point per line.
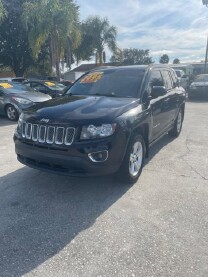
50	84
6	85
92	78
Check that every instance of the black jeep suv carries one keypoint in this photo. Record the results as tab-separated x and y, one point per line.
105	123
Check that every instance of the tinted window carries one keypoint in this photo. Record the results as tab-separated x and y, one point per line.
174	77
178	73
54	86
113	82
156	79
38	86
167	79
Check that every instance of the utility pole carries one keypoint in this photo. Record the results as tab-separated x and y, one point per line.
205	2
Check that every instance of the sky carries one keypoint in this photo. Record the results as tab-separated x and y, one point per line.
178	28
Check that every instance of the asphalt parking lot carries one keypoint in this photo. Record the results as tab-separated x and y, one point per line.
53	225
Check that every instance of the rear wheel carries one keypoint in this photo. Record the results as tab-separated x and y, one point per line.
175	132
11	113
132	164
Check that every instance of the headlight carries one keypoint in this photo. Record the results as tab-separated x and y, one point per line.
21	116
91	131
22	100
19	124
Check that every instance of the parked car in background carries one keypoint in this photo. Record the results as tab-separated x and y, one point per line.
16	97
13	79
183	78
199	87
51	88
105	123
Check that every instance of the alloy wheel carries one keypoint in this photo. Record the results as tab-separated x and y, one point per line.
136	158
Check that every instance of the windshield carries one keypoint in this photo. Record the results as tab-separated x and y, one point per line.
201	78
54	86
15	88
113	82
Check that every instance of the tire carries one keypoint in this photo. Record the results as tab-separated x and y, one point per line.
175	132
11	113
133	161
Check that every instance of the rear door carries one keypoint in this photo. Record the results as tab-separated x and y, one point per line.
170	100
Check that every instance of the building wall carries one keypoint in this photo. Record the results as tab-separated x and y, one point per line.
4	74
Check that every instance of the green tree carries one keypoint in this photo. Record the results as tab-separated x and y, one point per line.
118	56
132	56
85	50
14	46
3	12
101	34
176	61
55	22
164	59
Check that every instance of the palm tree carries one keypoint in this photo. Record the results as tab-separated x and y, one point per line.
102	34
55	22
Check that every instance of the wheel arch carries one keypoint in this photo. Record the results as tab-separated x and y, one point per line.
143	130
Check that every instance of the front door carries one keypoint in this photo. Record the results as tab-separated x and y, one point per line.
158	109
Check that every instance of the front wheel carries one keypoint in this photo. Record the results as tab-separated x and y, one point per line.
132	164
11	113
175	132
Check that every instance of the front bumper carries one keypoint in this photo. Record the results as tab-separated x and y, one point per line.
73	160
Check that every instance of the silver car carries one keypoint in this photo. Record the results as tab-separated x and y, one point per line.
15	97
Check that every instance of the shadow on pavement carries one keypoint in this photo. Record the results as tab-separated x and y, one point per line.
6	122
158	146
41	213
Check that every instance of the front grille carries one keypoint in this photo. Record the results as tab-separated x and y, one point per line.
47	134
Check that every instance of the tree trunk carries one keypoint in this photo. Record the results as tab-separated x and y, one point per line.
100	57
19	72
58	70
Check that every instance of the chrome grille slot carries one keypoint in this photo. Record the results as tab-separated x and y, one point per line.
50	134
28	130
35	132
59	135
42	133
23	129
69	137
47	134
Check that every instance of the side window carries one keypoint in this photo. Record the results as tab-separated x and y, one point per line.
167	79
1	93
38	86
155	79
174	78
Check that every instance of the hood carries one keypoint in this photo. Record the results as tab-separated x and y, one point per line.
81	108
36	97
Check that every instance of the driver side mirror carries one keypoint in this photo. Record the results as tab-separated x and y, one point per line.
158	91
